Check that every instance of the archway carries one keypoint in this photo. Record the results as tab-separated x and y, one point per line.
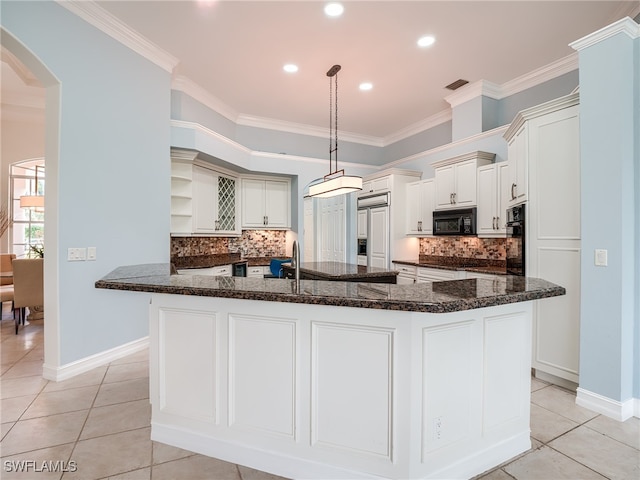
51	262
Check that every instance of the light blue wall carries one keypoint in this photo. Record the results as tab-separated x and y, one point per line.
184	107
419	142
554	88
114	170
609	99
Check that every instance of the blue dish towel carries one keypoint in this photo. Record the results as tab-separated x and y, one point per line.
276	266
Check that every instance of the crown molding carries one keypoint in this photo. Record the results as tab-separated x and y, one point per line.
542	109
479	155
97	16
473	90
625	25
195	91
536	77
291	127
210	133
421	126
448	146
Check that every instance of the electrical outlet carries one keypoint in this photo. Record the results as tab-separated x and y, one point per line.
600	258
76	254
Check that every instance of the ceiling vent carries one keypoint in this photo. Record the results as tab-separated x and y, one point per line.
457	84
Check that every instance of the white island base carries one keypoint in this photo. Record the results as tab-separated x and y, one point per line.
327	392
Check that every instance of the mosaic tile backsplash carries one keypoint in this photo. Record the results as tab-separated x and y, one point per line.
252	243
468	247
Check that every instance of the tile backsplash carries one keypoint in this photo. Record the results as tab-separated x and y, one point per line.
252	243
469	247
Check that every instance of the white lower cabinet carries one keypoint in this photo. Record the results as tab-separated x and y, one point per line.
219	271
407	273
425	274
257	272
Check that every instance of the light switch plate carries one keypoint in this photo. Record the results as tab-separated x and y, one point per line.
600	258
76	254
91	253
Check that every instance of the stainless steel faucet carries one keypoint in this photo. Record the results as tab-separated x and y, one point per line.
295	263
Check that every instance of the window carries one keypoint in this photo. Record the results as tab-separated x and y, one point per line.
27	228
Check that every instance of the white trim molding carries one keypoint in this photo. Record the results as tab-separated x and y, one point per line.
195	91
625	25
608	407
57	374
418	127
97	16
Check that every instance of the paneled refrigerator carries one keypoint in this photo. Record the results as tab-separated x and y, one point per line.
373	231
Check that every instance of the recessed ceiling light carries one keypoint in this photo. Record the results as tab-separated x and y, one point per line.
290	68
366	86
426	41
334	9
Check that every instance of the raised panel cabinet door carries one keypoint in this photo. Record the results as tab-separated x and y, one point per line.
205	185
502	197
445	186
487	200
362	223
428	188
465	190
277	201
414	208
517	154
253	203
379	239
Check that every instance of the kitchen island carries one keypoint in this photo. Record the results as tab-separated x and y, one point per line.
343	272
340	379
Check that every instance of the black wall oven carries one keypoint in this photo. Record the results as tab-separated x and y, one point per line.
516	240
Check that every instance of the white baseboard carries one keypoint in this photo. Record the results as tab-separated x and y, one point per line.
83	365
620	411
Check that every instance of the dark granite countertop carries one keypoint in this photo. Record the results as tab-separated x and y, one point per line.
341	271
218	259
479	265
433	297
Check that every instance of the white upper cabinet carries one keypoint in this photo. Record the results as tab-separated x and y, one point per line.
382	184
518	158
494	189
420	206
266	203
362	224
455	180
203	199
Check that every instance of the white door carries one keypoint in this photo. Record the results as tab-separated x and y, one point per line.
378	241
332	246
205	197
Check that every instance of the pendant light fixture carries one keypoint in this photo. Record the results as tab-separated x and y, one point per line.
35	200
336	182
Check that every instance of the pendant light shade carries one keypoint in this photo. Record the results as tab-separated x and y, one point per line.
336	182
35	200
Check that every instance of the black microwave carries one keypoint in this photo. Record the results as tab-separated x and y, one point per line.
455	222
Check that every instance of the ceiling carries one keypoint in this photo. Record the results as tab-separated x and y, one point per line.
235	50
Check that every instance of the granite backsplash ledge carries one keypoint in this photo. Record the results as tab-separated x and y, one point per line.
252	243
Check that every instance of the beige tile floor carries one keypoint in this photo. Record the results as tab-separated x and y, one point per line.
100	421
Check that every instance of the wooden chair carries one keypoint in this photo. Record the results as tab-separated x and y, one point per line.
28	286
6	270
